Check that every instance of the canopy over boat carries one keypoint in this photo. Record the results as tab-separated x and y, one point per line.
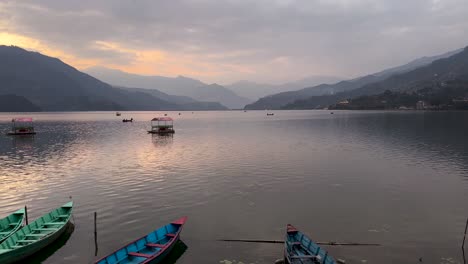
162	119
10	224
151	248
22	119
36	236
300	249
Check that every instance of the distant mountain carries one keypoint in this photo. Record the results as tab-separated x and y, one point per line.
14	103
447	95
203	106
164	96
48	84
416	63
183	102
180	86
55	86
254	91
444	73
278	101
217	93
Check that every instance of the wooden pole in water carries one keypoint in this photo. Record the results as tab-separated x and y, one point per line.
95	234
26	214
95	225
464	236
319	243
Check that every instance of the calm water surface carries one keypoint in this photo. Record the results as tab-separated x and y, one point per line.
395	178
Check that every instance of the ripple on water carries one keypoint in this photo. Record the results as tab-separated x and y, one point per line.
391	177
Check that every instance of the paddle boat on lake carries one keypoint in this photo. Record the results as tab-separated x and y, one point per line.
118	114
36	236
10	224
22	126
300	249
151	248
127	120
162	125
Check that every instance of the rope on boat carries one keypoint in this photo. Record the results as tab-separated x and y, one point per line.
330	243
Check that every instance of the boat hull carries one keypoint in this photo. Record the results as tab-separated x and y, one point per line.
151	248
166	252
161	132
22	253
20	134
300	249
36	236
16	217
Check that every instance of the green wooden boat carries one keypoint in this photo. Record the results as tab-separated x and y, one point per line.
11	224
36	236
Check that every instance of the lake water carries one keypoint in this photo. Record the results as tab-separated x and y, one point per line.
395	178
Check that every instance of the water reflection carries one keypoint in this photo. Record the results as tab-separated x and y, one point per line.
162	140
464	258
23	142
437	138
50	250
393	177
176	253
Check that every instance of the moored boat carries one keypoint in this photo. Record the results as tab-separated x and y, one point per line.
36	236
151	248
22	126
300	249
10	224
162	125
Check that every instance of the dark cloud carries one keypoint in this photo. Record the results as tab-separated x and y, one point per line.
334	37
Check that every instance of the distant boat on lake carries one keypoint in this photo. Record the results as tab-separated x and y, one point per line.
22	126
151	248
300	249
127	120
118	114
270	114
36	236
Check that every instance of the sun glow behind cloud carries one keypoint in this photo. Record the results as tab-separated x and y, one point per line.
225	41
10	39
145	61
159	62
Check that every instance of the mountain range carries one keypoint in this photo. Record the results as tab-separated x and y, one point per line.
255	91
179	86
48	84
442	77
277	101
30	81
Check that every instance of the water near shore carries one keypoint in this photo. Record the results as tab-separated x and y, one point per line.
395	178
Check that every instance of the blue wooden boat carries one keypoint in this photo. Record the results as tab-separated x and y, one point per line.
151	248
300	249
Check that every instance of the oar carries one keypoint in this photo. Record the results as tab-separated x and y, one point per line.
281	242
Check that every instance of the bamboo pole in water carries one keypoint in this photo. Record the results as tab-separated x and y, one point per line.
319	243
464	236
95	235
26	214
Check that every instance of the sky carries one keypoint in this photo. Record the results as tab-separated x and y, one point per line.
223	41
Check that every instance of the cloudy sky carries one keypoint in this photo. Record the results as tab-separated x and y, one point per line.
227	40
